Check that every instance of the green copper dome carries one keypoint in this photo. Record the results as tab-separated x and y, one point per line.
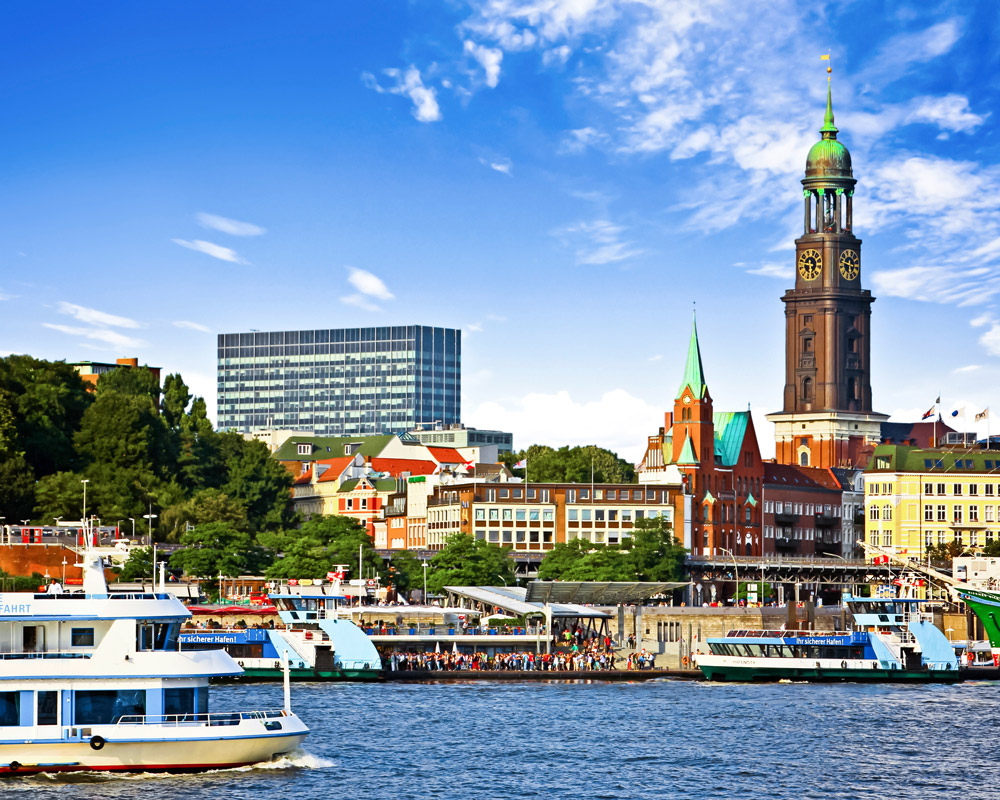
828	158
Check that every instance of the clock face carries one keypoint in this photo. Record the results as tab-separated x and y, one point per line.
810	264
850	264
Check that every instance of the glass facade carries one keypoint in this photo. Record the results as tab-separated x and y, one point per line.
336	382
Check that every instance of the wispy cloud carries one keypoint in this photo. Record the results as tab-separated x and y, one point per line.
967	368
773	270
504	165
370	287
597	241
193	326
5	296
105	335
231	226
212	249
408	83
94	317
657	357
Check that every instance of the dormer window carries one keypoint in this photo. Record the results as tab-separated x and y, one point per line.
305	449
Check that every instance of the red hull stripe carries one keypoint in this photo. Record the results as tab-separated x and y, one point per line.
6	772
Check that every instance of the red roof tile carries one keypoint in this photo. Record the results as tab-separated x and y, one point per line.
397	466
446	455
336	467
803	477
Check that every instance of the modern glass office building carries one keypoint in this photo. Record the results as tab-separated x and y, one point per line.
341	381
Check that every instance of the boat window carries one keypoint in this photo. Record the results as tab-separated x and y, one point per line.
201	697
10	708
178	701
103	707
48	708
81	637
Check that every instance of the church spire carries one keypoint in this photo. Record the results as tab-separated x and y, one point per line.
694	375
829	130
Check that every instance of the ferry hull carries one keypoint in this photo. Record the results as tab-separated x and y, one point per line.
814	675
126	754
271	674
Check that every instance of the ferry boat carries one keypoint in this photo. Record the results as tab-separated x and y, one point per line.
317	641
894	640
985	605
97	681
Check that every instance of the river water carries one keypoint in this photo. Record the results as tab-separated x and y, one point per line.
662	740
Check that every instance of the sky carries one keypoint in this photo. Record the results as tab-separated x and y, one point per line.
564	180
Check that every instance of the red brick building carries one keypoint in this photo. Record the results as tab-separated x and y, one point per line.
802	511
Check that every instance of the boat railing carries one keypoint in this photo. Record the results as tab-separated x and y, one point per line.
44	654
207	718
745	634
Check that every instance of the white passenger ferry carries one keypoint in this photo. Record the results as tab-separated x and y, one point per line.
97	681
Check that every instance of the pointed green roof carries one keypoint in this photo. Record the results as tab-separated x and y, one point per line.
687	453
694	375
828	126
708	498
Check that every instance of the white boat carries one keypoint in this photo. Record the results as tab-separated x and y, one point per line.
92	681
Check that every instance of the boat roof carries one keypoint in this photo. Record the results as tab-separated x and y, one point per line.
512	599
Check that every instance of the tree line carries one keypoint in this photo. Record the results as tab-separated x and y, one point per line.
141	449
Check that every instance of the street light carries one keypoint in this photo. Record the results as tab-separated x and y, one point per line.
132	520
84	481
736	570
425	582
150	516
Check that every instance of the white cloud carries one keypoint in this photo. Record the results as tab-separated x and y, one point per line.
94	317
502	165
409	84
193	326
579	139
473	327
657	357
489	59
968	368
231	226
213	250
774	270
950	113
360	301
991	339
982	319
110	337
617	420
368	283
597	242
4	296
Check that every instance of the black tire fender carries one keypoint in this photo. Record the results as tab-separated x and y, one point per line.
97	742
14	766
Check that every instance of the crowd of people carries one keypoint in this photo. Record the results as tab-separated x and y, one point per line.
593	659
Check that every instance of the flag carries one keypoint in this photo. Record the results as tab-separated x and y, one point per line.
929	413
984	414
522	464
958	411
825	58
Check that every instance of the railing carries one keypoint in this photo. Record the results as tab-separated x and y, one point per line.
211	719
451	630
45	654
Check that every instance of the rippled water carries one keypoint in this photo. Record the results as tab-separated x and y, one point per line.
662	740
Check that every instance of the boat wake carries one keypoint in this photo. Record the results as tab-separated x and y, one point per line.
297	759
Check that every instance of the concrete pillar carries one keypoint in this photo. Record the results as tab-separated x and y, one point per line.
808	205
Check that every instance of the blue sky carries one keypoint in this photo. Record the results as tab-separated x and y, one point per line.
562	179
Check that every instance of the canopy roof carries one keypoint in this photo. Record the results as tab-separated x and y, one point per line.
512	600
608	593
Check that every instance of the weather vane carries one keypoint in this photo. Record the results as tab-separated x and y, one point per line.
829	68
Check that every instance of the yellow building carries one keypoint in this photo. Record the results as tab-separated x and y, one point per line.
915	498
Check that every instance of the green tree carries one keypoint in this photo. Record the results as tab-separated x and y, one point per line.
139	565
47	400
560	562
59	495
465	561
992	548
207	505
17	481
262	485
176	396
572	465
200	463
311	550
406	572
216	548
132	381
654	553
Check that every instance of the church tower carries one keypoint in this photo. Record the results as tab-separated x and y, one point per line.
827	416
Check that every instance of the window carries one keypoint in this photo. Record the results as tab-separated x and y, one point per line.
10	708
612	515
873	512
886	512
178	701
495	514
572	515
480	513
305	449
586	514
571	495
928	487
599	515
504	493
652	513
989	513
626	515
508	515
547	515
928	513
956	515
533	515
81	637
612	494
973	513
521	515
973	489
974	538
956	489
942	513
989	490
105	706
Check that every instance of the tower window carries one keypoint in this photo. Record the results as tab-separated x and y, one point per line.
807	345
807	319
804	459
852	345
807	389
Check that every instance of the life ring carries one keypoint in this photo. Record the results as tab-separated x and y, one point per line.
684	661
14	766
240	663
97	742
843	665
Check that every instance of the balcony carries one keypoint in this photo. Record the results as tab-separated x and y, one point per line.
826	520
786	518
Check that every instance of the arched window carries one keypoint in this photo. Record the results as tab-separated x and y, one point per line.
853	389
807	390
804	458
886	512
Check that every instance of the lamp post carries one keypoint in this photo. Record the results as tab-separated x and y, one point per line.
736	571
84	481
150	516
425	582
132	520
64	571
